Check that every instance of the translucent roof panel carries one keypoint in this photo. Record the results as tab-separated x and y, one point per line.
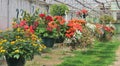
80	4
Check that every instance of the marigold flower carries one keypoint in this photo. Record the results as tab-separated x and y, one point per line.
12	43
2	51
18	29
17	37
40	49
0	43
16	51
1	47
4	40
35	45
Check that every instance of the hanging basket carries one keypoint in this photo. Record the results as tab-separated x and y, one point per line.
15	62
49	42
59	40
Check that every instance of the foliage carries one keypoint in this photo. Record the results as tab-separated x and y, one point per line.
58	9
102	54
106	19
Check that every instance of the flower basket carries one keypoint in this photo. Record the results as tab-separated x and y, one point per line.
48	42
59	39
15	62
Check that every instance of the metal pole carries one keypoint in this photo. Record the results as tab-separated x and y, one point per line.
8	14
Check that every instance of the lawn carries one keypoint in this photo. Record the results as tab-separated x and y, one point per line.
102	54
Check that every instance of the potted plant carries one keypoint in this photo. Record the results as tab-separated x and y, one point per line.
58	9
61	28
50	28
19	44
47	29
104	32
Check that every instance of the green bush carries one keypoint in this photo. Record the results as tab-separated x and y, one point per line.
106	18
58	9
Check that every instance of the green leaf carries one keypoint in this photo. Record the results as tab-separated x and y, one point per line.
17	56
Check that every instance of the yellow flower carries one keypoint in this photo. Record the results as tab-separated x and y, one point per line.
0	43
14	23
4	40
12	43
1	47
17	51
17	37
44	47
0	31
18	29
7	29
34	45
2	51
40	49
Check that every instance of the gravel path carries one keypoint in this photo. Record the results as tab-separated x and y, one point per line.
117	62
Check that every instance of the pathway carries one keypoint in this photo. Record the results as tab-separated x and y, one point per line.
117	62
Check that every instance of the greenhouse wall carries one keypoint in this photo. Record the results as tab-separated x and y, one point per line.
10	9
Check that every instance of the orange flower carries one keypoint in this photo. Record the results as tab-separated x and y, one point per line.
82	21
52	24
62	22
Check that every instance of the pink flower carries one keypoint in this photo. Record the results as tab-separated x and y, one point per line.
31	29
49	29
22	23
26	27
15	26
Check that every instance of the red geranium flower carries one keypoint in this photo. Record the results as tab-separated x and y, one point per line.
26	27
49	18
84	11
22	23
42	15
31	29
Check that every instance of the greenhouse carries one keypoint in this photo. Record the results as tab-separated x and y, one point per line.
59	32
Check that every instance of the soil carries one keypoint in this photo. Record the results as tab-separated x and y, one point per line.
50	59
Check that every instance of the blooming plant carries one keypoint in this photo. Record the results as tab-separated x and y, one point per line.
79	33
74	25
17	44
105	32
21	41
51	27
82	13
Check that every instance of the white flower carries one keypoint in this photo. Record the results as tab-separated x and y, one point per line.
91	26
77	34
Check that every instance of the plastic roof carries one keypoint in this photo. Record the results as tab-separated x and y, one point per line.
79	4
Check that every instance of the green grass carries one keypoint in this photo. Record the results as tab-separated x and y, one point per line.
102	54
